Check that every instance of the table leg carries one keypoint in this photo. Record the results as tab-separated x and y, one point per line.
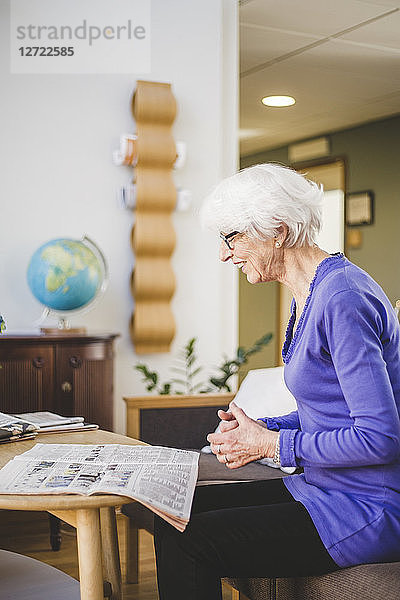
111	561
55	532
89	553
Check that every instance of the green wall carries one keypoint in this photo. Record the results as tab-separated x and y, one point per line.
371	154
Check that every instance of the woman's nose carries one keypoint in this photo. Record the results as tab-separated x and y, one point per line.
225	253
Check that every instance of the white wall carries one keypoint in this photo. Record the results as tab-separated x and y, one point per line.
57	179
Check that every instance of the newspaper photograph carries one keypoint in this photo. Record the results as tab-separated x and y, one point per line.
161	478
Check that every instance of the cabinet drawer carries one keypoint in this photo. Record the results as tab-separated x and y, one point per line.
84	382
28	352
72	355
26	379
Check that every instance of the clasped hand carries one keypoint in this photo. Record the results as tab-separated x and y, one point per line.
241	440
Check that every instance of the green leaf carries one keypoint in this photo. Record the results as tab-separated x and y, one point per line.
215	381
189	348
182	381
197	386
166	389
178	370
265	339
240	352
196	371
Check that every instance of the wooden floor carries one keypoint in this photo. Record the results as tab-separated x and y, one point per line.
28	533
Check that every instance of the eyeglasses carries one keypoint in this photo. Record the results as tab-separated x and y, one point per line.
227	237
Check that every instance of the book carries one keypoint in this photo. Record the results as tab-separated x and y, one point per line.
162	479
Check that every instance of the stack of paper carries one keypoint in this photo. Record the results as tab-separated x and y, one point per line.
48	422
12	428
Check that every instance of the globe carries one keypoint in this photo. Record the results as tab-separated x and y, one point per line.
66	275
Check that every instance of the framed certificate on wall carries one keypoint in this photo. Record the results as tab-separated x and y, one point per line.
360	208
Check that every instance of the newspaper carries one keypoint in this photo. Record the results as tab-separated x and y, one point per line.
161	478
13	428
13	420
47	419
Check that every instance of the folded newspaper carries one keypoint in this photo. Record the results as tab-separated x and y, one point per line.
43	419
48	422
163	479
13	428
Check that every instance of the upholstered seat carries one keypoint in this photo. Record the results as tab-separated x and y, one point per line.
363	582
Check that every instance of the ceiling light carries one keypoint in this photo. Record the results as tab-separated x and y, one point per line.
278	101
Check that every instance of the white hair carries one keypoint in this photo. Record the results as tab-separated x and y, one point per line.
257	200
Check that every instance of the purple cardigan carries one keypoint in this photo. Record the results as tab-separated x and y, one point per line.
343	367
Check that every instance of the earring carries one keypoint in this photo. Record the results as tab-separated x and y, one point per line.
277	244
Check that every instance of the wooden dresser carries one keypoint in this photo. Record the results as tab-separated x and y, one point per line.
67	374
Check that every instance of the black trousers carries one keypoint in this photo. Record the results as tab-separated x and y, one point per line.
253	529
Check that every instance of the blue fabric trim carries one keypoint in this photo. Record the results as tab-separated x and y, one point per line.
286	447
334	260
270	423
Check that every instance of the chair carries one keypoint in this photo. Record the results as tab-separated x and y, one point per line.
366	582
22	577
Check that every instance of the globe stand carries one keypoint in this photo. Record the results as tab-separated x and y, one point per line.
63	328
56	331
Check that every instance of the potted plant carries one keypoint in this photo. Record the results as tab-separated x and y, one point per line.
185	389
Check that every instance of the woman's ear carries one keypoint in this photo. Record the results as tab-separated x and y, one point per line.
282	233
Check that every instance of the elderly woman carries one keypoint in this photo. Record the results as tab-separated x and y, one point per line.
342	364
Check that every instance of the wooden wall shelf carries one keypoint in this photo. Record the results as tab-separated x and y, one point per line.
152	326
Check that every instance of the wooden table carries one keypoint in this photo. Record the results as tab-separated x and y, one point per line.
93	516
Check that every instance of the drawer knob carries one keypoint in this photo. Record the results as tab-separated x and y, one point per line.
66	386
75	362
38	362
